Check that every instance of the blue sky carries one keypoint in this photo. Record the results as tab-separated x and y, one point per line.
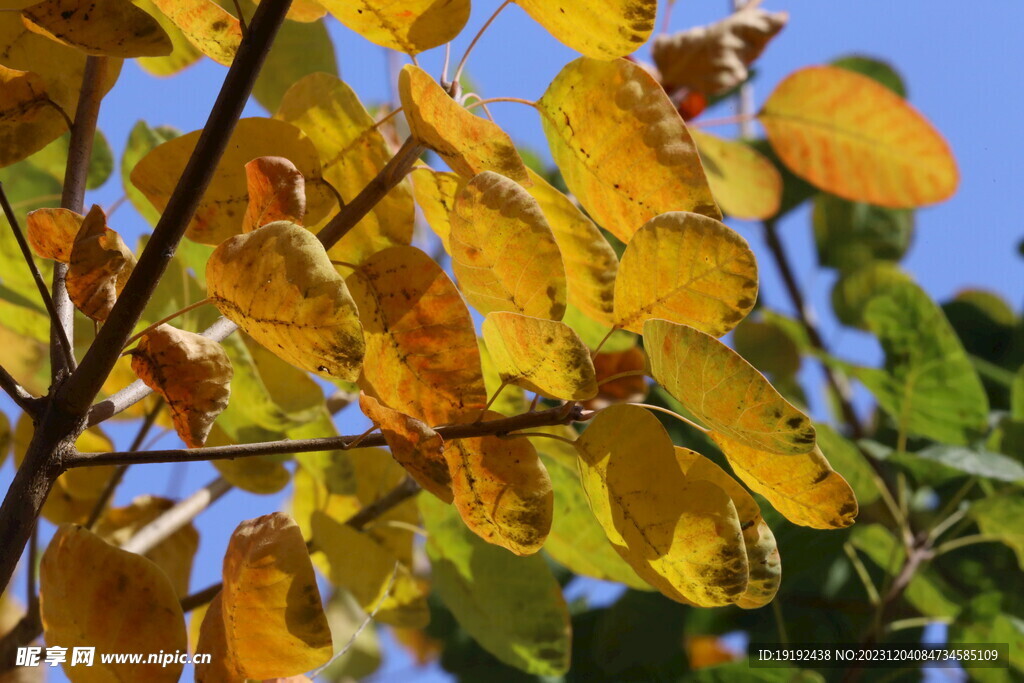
954	57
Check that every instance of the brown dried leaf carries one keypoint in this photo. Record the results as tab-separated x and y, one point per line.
277	192
192	373
100	265
714	58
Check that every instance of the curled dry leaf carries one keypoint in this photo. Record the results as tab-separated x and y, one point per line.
503	251
409	26
278	285
416	447
543	356
689	269
603	30
622	147
108	28
209	27
100	265
191	372
712	59
95	595
468	143
502	490
277	192
51	232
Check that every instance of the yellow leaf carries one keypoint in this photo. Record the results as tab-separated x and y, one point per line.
60	68
182	55
603	30
492	214
851	136
435	192
416	447
5	437
95	595
221	211
304	10
419	335
409	26
24	95
353	152
745	184
762	552
724	391
210	28
502	490
468	143
273	617
631	387
277	192
212	640
512	399
542	356
191	372
100	265
261	475
51	232
622	147
680	535
111	28
278	285
173	555
708	280
802	486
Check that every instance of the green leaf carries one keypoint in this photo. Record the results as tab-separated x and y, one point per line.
299	49
928	384
141	140
875	69
53	160
980	463
848	461
1002	516
855	288
511	605
984	622
795	190
851	234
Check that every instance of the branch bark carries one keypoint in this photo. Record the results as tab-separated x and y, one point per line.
26	401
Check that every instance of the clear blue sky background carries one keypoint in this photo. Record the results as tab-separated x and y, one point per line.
958	60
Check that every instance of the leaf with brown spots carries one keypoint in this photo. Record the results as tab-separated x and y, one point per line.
191	372
95	595
502	490
468	143
504	254
416	447
209	27
222	210
686	268
409	26
278	285
542	356
106	28
622	147
100	265
679	534
724	391
277	192
51	232
603	30
420	339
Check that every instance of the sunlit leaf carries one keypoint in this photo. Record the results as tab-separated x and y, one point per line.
409	26
141	140
353	152
51	232
491	214
488	470
183	53
542	356
621	146
110	28
631	364
512	399
277	192
468	143
708	281
745	184
846	459
416	447
273	617
24	96
262	475
222	208
604	30
100	265
682	536
210	28
95	595
852	137
278	285
1000	516
304	10
435	193
419	335
191	372
478	581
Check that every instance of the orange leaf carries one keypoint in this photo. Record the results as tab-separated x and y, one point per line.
277	192
51	232
100	265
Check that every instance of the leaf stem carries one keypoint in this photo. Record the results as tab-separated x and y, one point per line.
673	414
916	622
476	39
600	344
862	573
622	375
571	442
964	541
191	307
492	100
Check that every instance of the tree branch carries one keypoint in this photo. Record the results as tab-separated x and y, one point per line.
26	401
83	386
176	517
562	415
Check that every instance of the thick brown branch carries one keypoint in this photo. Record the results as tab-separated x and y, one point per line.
562	415
86	382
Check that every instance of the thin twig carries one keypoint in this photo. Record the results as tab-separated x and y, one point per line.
476	39
673	414
964	541
166	319
200	598
24	400
161	528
